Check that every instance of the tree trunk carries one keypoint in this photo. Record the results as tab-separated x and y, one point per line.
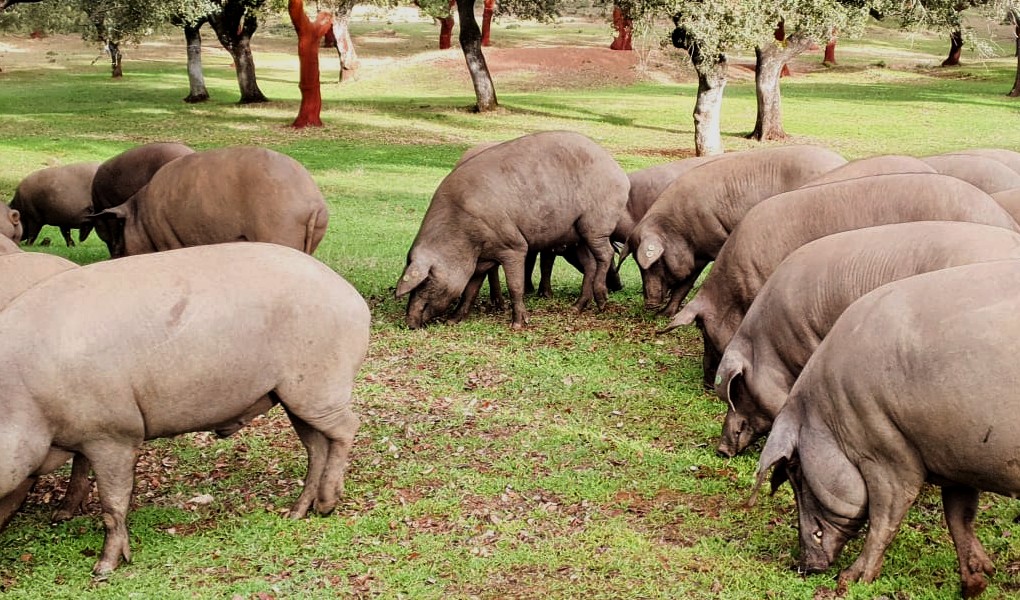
708	107
309	35
446	29
489	7
771	58
955	48
471	44
344	44
196	81
115	59
1014	16
830	53
624	27
234	27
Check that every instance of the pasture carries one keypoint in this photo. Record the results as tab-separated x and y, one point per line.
573	459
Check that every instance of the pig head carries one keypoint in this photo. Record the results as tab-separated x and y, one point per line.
10	224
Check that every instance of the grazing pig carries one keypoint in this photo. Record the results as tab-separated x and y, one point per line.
776	227
60	196
122	176
986	173
202	338
875	165
10	224
800	301
538	192
916	382
689	222
223	195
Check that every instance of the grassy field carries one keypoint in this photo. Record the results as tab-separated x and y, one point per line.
573	459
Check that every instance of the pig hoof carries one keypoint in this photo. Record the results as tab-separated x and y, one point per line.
973	586
61	515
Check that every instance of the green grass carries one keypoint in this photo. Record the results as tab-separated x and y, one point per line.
573	459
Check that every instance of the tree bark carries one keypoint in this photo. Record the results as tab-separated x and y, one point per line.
309	35
344	44
446	29
488	8
624	27
955	48
830	52
771	57
471	44
196	81
234	27
116	59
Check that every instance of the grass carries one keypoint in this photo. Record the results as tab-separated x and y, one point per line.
573	459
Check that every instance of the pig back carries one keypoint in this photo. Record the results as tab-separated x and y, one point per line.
186	338
930	358
231	194
875	165
537	185
22	270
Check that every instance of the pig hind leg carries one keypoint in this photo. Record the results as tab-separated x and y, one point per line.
326	429
78	489
594	285
960	503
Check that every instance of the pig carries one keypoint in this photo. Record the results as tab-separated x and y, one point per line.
201	338
916	382
10	224
875	165
20	271
800	301
986	173
541	191
120	177
689	222
223	195
1007	157
60	196
776	227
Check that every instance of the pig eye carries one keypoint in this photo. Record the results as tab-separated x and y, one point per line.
818	536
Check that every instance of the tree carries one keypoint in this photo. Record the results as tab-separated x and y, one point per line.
341	35
624	26
235	23
309	35
1013	14
442	11
801	24
197	91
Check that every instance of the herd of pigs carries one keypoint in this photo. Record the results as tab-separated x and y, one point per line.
862	312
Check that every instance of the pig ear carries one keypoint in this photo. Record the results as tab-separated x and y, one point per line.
691	311
731	366
14	216
413	276
779	451
648	250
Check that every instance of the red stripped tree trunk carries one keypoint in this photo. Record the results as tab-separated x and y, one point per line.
309	35
830	52
446	29
488	8
624	27
955	48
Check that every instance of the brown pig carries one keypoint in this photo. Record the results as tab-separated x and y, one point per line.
120	177
59	196
224	195
689	222
776	227
916	382
541	191
800	301
983	172
200	339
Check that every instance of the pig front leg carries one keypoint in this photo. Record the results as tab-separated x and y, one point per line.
10	503
513	266
960	503
892	488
